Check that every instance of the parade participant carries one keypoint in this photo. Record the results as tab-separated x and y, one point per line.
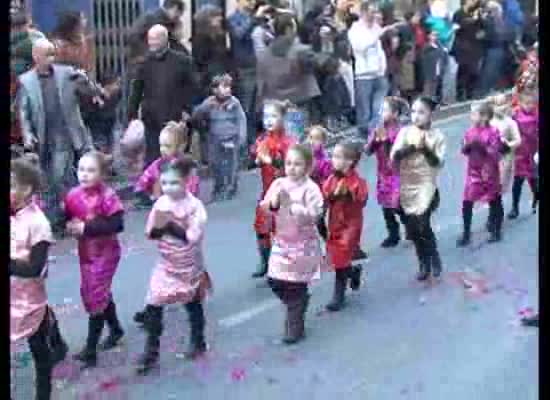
509	135
296	257
346	194
95	217
30	239
173	139
483	149
270	153
387	184
178	222
527	118
419	150
322	167
226	121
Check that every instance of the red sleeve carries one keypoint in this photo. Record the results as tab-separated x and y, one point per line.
359	190
329	186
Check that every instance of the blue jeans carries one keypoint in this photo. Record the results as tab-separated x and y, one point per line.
224	163
369	98
491	71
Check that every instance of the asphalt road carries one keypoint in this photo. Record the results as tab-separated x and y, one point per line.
397	339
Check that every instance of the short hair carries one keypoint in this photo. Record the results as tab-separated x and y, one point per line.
305	153
282	22
179	4
100	158
68	23
484	108
352	151
366	4
222	79
183	166
27	173
398	105
19	19
429	102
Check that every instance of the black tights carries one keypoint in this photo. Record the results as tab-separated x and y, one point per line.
288	291
496	214
516	190
390	216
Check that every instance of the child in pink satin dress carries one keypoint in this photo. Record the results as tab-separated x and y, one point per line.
95	218
177	221
172	141
30	239
296	256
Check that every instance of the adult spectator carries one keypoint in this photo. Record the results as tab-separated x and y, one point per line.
262	34
169	16
468	47
72	47
22	38
286	70
51	122
371	85
164	86
513	17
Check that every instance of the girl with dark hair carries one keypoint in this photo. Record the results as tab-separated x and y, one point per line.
419	150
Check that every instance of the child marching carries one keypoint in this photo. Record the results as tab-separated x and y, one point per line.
346	194
95	217
177	221
270	153
30	239
172	142
387	184
418	151
527	118
295	259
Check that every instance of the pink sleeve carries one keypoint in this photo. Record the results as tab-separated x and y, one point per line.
147	180
111	204
193	185
196	224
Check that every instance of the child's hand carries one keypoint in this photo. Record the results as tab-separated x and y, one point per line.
75	227
283	198
341	189
162	218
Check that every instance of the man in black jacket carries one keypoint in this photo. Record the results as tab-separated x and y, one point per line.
164	86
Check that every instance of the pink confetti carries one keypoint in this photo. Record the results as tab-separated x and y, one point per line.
238	374
109	385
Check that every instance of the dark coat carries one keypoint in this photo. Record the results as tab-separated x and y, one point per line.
467	49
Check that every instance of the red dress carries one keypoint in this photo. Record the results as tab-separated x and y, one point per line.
345	220
277	144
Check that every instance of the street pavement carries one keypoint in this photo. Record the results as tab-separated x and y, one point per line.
397	339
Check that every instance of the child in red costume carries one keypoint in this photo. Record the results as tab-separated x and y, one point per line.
269	152
346	194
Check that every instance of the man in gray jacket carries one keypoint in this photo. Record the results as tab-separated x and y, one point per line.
51	121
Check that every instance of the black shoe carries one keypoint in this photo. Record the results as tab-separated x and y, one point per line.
195	349
59	354
463	241
338	297
360	255
422	275
139	317
531	321
146	362
390	241
112	341
355	277
495	237
513	214
87	357
436	265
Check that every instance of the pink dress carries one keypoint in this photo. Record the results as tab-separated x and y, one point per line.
322	167
296	250
528	124
387	183
28	299
180	275
99	256
149	180
483	171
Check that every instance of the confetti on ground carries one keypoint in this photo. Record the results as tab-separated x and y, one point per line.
238	374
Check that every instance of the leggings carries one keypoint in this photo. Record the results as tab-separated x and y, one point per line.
496	214
516	190
420	229
288	291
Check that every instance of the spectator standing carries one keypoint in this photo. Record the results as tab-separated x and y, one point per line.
432	61
22	38
263	34
164	87
513	17
72	47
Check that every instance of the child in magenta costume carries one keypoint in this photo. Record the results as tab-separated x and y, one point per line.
177	221
322	167
30	239
95	217
527	118
387	184
483	149
295	260
172	142
346	194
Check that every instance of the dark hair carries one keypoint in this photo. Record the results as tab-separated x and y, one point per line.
281	106
27	173
222	79
398	105
282	22
19	19
352	151
69	22
181	165
429	102
174	3
366	4
484	108
305	152
99	157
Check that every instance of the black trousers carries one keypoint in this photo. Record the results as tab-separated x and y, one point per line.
466	80
288	291
390	217
496	215
155	327
152	146
516	190
422	235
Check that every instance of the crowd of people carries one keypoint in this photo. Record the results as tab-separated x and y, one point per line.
337	67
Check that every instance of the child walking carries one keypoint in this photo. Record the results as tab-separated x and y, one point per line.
95	217
227	126
322	167
418	151
177	221
172	141
30	240
296	257
527	118
483	149
269	152
387	184
346	194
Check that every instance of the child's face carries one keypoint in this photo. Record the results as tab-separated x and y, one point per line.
432	38
19	193
476	117
89	171
272	119
223	91
387	112
316	138
295	165
420	114
168	144
172	184
339	160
